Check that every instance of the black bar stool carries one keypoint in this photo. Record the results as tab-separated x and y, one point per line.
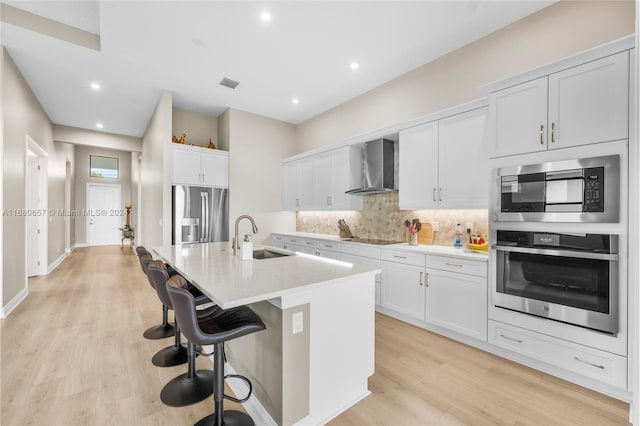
214	328
165	329
195	385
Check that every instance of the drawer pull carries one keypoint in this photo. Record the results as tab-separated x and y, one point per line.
400	257
328	245
511	338
601	367
309	243
457	265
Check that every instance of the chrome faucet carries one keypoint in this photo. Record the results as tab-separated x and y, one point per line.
236	243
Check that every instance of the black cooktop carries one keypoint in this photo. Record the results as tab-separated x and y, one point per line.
372	241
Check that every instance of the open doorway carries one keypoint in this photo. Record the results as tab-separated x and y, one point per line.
36	209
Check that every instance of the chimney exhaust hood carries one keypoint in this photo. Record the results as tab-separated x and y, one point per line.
377	168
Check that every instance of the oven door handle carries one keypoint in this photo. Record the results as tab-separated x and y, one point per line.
552	252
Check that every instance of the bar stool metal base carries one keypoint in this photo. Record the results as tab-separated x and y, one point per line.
184	390
170	356
231	418
160	331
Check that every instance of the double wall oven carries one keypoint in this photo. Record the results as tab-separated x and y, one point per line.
570	276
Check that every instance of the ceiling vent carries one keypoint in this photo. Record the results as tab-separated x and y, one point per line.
231	84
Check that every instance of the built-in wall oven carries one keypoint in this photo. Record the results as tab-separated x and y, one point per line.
581	190
572	278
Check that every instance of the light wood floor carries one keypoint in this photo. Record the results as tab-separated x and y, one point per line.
73	354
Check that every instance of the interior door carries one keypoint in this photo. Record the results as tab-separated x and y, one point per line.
103	219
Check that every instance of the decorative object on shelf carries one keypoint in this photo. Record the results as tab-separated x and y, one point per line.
127	223
413	227
211	144
183	138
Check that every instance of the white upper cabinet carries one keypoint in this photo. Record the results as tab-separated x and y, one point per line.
418	163
589	103
463	162
291	185
580	105
518	119
444	163
319	182
200	166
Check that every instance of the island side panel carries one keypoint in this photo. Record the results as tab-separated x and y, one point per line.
258	356
342	345
295	365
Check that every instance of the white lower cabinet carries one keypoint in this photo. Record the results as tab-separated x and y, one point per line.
456	293
367	255
403	289
593	363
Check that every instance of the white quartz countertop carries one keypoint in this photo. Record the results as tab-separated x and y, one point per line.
229	281
427	249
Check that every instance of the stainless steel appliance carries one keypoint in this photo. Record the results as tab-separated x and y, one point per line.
378	168
582	190
572	278
199	214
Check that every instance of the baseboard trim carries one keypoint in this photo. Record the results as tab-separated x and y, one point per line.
56	263
13	303
79	245
69	249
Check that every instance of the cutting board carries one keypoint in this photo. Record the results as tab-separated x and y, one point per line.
425	235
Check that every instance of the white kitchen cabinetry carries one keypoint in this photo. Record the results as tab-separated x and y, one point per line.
403	283
581	105
418	162
292	185
589	362
200	166
443	164
456	294
319	181
358	253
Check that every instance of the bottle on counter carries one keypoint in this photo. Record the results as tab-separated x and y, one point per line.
458	242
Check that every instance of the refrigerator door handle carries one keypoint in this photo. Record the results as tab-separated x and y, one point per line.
207	224
202	216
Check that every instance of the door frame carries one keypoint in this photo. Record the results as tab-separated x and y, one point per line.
43	252
86	203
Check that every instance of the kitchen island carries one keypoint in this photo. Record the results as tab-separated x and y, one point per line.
315	358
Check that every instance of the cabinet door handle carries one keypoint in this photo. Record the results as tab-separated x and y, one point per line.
541	134
399	257
553	132
330	200
457	265
421	278
440	194
511	338
328	203
434	195
426	279
601	367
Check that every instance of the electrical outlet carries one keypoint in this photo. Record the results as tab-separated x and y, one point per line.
298	322
469	227
435	226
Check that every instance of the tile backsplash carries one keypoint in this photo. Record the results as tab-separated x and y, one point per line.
381	218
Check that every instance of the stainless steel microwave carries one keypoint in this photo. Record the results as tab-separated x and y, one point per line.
582	190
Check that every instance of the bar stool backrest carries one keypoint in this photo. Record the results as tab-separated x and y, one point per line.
159	276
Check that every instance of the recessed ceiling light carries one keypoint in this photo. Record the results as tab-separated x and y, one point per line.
295	101
99	125
354	65
265	16
95	86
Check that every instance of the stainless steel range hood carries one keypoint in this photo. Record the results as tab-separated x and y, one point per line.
377	168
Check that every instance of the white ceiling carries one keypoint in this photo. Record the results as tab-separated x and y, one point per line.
188	47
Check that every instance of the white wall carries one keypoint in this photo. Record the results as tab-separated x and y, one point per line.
155	176
22	115
199	128
560	30
87	137
257	146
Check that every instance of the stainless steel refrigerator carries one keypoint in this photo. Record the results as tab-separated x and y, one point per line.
200	214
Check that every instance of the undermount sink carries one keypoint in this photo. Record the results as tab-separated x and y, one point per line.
268	254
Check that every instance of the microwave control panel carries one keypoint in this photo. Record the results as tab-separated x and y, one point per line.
593	190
